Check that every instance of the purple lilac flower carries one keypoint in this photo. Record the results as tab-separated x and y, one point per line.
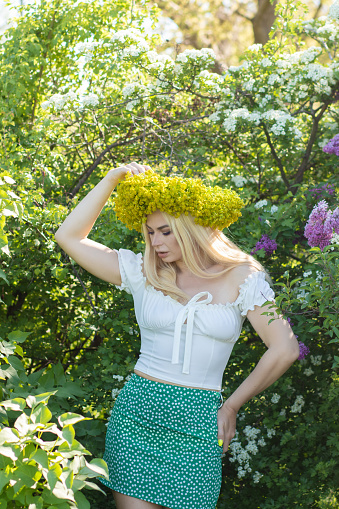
321	224
266	243
318	191
332	146
289	321
304	350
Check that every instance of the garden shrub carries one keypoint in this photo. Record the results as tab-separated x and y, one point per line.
93	95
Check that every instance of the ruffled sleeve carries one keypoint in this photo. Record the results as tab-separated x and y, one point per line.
130	265
254	292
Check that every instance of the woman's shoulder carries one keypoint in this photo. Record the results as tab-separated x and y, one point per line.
239	274
131	269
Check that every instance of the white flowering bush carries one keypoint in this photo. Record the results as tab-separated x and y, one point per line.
91	88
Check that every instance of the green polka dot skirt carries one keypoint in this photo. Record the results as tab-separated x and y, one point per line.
162	445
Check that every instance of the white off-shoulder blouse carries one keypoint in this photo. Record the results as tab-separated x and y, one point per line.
187	344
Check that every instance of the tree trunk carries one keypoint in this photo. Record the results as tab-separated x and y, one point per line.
263	21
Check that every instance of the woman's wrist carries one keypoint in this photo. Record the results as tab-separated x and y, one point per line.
231	406
114	176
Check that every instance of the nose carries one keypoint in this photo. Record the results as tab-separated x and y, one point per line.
156	239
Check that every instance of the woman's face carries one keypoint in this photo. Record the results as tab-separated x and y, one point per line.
162	238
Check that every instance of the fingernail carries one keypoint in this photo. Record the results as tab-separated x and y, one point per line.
220	442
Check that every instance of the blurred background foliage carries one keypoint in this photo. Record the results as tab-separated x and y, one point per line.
83	339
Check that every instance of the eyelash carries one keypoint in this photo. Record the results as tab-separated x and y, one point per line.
164	233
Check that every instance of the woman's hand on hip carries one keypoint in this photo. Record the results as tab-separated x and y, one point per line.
227	417
121	171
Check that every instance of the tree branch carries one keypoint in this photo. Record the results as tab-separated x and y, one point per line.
305	160
121	143
275	156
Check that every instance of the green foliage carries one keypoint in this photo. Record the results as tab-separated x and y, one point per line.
78	99
41	462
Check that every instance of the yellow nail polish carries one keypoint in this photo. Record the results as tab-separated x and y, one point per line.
220	442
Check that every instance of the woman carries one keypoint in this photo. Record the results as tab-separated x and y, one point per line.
192	291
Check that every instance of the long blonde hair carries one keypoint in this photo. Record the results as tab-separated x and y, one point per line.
200	247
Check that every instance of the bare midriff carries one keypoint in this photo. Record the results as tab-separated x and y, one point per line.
143	375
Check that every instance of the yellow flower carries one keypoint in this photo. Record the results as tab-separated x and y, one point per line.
140	195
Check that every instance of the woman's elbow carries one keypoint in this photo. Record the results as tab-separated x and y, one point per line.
292	352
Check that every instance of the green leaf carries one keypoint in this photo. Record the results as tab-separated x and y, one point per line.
70	418
68	434
9	435
60	491
3	276
21	424
41	457
53	476
81	500
14	404
33	401
67	477
41	414
95	467
18	336
5	477
38	504
10	451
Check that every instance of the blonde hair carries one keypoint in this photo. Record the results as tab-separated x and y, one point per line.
201	247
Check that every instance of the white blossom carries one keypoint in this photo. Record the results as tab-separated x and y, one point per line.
298	404
249	84
252	447
115	393
335	239
234	68
132	33
274	78
307	273
329	30
266	62
270	432
261	442
308	371
87	48
274	209
214	117
275	398
130	88
232	116
251	432
255	47
239	180
260	204
334	11
309	55
89	100
204	54
257	476
316	360
46	104
58	101
118	377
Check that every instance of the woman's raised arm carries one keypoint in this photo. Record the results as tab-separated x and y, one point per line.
71	236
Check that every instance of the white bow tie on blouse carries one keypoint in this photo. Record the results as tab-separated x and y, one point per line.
187	313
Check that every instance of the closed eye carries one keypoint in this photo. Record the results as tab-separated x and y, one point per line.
164	233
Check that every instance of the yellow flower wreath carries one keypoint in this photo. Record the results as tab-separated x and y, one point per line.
140	195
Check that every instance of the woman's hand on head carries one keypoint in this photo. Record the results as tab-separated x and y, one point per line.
134	168
227	417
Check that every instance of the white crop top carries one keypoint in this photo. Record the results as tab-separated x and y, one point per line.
194	353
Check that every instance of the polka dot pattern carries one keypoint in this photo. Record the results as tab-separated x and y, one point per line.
162	445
